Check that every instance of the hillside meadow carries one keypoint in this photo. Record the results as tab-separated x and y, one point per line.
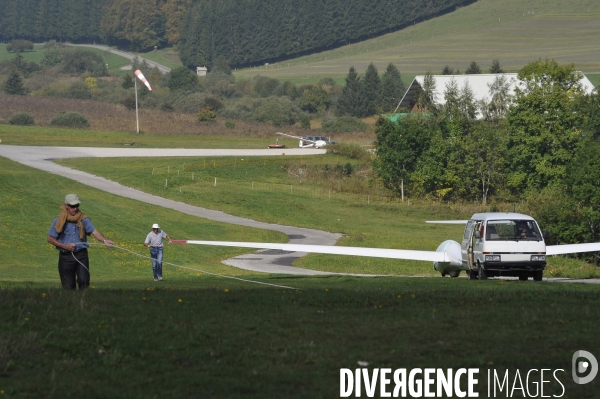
513	31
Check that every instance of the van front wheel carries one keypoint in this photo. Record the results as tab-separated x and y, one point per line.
537	276
482	274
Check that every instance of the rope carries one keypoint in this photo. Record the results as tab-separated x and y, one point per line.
88	270
187	268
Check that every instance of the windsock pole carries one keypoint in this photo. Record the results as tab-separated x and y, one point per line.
137	119
141	77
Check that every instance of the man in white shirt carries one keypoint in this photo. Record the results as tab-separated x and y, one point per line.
154	241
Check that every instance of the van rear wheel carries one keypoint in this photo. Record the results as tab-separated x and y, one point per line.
523	277
472	274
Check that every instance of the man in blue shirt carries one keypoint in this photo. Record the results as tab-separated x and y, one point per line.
68	233
154	241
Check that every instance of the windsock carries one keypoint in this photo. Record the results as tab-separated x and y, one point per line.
140	75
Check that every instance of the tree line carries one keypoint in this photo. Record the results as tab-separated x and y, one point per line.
41	20
247	32
244	32
137	25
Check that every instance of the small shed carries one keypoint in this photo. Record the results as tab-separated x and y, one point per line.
201	71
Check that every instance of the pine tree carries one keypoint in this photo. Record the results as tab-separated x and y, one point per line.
425	100
451	97
392	88
447	70
495	67
468	105
349	100
19	64
473	69
14	84
370	92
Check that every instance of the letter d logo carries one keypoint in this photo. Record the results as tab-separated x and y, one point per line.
584	366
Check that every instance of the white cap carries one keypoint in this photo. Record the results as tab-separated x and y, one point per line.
72	199
155	226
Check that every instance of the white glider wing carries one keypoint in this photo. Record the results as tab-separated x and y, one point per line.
296	137
431	256
302	140
447	221
572	248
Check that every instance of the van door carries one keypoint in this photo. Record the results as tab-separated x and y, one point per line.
477	244
466	247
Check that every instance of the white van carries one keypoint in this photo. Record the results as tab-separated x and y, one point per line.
503	244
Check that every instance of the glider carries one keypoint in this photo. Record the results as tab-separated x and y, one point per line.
309	141
493	244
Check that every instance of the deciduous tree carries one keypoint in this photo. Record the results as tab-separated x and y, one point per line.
544	127
582	179
496	109
18	46
182	79
399	148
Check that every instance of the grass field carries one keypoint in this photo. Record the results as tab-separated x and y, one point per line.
262	189
196	335
209	338
166	56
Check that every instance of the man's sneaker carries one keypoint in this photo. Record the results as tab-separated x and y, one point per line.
155	279
159	278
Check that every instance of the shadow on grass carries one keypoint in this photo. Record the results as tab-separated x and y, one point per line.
215	338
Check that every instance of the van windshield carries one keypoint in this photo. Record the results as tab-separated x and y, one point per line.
508	230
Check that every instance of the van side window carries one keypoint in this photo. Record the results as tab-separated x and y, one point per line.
468	230
479	228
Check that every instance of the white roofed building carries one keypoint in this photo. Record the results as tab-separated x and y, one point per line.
479	85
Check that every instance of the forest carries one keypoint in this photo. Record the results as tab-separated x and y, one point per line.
247	34
244	32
